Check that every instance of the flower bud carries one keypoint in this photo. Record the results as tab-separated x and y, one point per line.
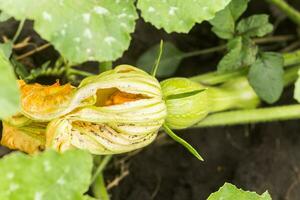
187	102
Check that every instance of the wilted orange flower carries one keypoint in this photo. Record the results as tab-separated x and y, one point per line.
41	101
29	138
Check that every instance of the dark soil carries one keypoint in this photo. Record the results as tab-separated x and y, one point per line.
259	158
254	157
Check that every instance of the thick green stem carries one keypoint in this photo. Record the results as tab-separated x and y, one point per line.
214	78
291	75
234	94
251	116
291	58
291	12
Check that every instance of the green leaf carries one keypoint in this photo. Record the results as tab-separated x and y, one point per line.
7	48
46	176
224	21
182	142
255	25
81	31
231	192
179	16
242	52
266	76
249	52
231	60
169	61
297	88
9	91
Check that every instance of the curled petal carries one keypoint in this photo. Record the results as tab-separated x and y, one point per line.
29	138
43	103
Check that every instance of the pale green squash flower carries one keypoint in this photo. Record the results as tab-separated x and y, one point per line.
108	127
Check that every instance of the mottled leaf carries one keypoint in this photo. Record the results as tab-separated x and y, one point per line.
179	16
169	62
80	30
231	192
46	176
266	76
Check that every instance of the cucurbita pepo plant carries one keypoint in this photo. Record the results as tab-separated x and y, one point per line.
123	109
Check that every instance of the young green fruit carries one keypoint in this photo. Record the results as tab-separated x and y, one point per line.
189	102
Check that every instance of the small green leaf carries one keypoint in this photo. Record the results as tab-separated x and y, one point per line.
223	24
179	16
266	76
231	192
81	31
255	25
249	52
238	7
48	176
169	61
9	91
242	53
224	21
231	60
182	142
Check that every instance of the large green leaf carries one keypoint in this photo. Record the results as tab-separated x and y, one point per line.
80	30
224	21
179	15
266	76
231	192
169	62
9	91
46	176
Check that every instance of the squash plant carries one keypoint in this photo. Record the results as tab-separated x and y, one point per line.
124	108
